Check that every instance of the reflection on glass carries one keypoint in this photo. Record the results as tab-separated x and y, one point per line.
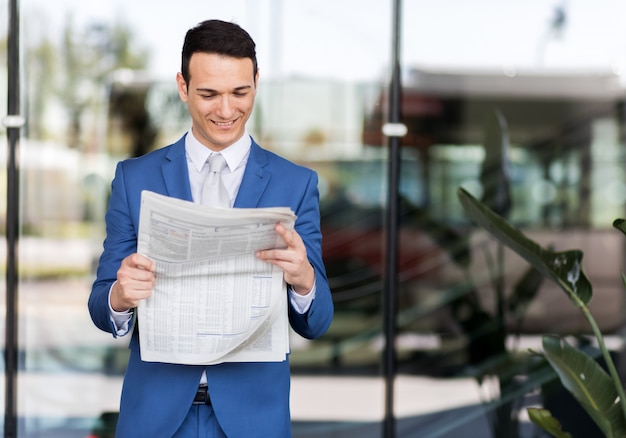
98	88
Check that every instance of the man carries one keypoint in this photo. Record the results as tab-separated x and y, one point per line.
218	82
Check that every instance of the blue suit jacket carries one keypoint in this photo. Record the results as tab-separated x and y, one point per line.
249	399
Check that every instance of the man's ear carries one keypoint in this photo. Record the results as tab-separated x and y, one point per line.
182	87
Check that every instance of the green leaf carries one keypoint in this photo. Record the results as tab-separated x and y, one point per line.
589	383
620	224
494	175
544	419
565	268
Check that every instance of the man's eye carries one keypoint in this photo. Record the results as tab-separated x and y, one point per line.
207	96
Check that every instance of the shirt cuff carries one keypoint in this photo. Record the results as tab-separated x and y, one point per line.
121	320
301	302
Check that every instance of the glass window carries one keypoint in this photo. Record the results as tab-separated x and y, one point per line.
521	105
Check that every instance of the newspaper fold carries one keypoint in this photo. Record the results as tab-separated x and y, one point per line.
213	301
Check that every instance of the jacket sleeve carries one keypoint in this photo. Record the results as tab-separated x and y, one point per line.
313	323
120	241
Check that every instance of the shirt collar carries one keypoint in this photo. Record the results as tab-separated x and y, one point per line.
233	154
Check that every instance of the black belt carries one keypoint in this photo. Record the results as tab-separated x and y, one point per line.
202	396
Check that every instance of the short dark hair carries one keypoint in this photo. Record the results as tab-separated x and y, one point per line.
219	37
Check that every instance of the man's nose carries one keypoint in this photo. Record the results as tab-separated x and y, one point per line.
225	107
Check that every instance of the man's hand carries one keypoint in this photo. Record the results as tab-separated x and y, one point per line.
135	280
292	260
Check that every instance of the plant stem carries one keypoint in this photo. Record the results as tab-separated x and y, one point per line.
605	352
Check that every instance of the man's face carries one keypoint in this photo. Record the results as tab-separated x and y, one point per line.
220	97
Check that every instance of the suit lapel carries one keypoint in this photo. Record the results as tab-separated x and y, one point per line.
175	172
253	183
255	179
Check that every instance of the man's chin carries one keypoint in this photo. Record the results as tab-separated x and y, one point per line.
220	142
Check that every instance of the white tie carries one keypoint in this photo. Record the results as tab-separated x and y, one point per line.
214	193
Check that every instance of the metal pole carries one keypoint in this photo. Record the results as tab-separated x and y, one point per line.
394	130
13	123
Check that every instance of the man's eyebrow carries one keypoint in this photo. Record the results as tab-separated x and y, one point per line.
210	90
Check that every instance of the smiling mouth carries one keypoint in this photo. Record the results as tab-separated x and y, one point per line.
224	124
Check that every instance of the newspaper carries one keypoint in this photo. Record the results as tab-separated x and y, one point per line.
213	301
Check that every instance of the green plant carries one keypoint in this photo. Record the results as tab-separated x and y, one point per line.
487	329
601	394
